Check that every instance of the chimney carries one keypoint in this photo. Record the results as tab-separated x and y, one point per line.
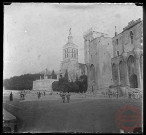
115	32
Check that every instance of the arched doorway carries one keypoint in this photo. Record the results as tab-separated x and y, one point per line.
131	65
122	72
132	72
115	73
133	81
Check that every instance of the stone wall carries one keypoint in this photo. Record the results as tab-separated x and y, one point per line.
98	54
43	84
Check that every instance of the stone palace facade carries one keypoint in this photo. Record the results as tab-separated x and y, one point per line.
115	61
98	53
127	63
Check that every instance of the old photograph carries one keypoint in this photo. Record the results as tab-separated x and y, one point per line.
73	68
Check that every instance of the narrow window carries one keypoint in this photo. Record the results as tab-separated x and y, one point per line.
118	53
117	41
131	37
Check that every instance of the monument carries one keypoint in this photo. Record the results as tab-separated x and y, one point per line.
44	84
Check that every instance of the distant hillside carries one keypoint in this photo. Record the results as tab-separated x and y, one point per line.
23	82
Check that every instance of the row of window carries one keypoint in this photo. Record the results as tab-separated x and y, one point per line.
73	55
131	38
71	50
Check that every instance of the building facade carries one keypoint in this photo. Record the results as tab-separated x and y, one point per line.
127	63
98	53
70	60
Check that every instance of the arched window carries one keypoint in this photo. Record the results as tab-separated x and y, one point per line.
131	37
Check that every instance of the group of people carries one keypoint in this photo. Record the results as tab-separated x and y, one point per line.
134	95
39	94
65	96
111	94
22	95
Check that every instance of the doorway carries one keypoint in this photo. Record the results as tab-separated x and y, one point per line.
133	81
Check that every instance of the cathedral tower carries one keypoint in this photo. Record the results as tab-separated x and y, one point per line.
70	58
70	50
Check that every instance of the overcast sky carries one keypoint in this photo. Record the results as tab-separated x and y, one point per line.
34	34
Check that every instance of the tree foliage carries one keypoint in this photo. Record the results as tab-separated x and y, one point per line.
80	85
23	82
53	74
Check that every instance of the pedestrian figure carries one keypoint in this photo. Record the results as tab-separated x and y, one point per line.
68	97
11	96
117	94
129	95
38	95
23	96
63	97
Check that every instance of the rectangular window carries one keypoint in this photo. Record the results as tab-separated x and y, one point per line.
117	41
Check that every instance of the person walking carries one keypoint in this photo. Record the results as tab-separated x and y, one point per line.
68	97
129	95
39	95
11	96
117	94
63	97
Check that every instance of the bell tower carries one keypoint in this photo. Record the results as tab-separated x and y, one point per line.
70	37
70	50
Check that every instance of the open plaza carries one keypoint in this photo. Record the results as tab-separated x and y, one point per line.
84	113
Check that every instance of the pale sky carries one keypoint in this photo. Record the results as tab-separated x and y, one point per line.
34	34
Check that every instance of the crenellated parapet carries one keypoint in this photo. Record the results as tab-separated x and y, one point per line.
131	24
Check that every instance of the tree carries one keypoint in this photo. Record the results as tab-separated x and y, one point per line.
53	74
66	76
82	83
21	82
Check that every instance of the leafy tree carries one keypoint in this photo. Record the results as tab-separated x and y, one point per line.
80	85
53	74
66	76
21	82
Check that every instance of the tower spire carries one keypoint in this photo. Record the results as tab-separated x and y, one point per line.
69	31
70	38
